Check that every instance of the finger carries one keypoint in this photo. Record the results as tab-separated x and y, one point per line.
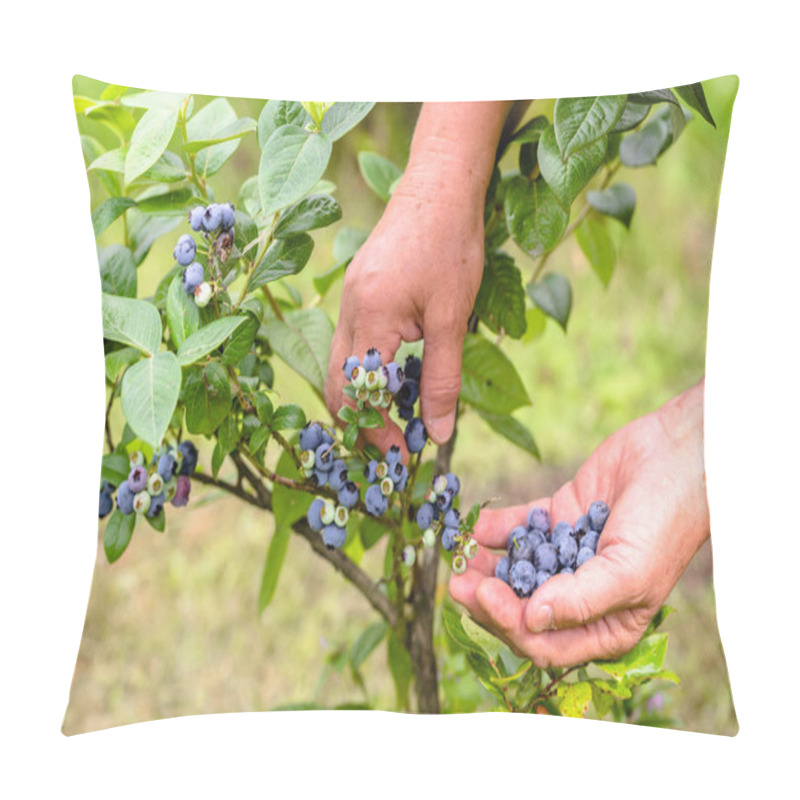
494	525
441	374
503	608
464	588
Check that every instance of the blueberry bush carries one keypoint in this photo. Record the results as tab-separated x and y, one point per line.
194	361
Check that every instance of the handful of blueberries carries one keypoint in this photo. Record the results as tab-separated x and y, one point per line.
535	552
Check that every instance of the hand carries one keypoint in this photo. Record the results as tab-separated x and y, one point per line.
651	475
419	272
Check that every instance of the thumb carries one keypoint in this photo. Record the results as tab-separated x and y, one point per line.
441	376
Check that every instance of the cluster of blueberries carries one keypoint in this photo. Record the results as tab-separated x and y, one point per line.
376	384
146	490
437	515
213	220
535	552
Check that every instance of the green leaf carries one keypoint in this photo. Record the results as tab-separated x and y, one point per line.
158	522
370	418
147	230
215	120
653	97
531	131
241	341
207	396
150	139
597	246
574	698
514	431
310	213
258	441
208	338
693	95
113	160
228	435
183	315
347	414
379	173
482	668
92	150
528	687
276	553
350	435
367	641
292	161
645	659
303	341
341	118
453	626
117	359
554	296
115	468
643	147
108	211
168	169
632	115
234	130
567	175
119	530
133	322
283	257
166	101
117	271
485	641
173	202
401	667
536	323
581	121
323	282
658	619
489	381
276	114
288	417
150	390
500	304
264	407
534	217
618	201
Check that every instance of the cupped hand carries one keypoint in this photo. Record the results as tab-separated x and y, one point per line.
651	475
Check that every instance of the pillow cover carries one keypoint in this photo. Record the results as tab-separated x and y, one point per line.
224	229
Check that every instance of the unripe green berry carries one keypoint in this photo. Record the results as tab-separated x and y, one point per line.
386	398
375	398
359	377
409	555
203	294
439	484
155	484
471	549
371	381
459	564
141	502
307	459
363	395
387	486
429	537
328	512
382	470
136	459
430	496
383	378
341	516
170	487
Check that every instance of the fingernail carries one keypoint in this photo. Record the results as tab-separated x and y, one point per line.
440	429
542	619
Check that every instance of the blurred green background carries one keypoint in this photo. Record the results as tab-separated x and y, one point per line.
172	628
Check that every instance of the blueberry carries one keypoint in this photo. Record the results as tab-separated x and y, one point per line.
185	250
338	474
125	498
416	435
401	479
409	555
170	487
459	564
167	466
333	536
327	438
449	538
453	483
392	455
351	363
311	436
561	530
546	558
598	514
452	518
155	484
567	551
106	504
319	478
566	571
429	537
405	413
212	218
107	487
141	502
348	494
228	216
444	501
539	518
182	489
522	578
324	458
371	471
501	569
192	277
515	536
542	576
202	295
537	537
582	526
137	479
196	217
413	368
372	360
156	505
394	377
408	394
425	516
584	554
189	457
375	501
313	514
589	541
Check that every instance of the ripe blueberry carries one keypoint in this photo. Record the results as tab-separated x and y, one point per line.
416	435
425	516
394	376
212	218
371	471
192	277
501	569
333	536
125	497
156	505
584	554
413	368
392	455
137	479
348	494
167	466
182	489
351	364
372	360
338	474
106	504
546	558
522	578
311	436
567	551
539	518
185	250
449	538
598	514
375	501
196	218
189	457
590	540
313	514
228	216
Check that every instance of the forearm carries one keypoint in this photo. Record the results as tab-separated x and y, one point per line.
453	149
